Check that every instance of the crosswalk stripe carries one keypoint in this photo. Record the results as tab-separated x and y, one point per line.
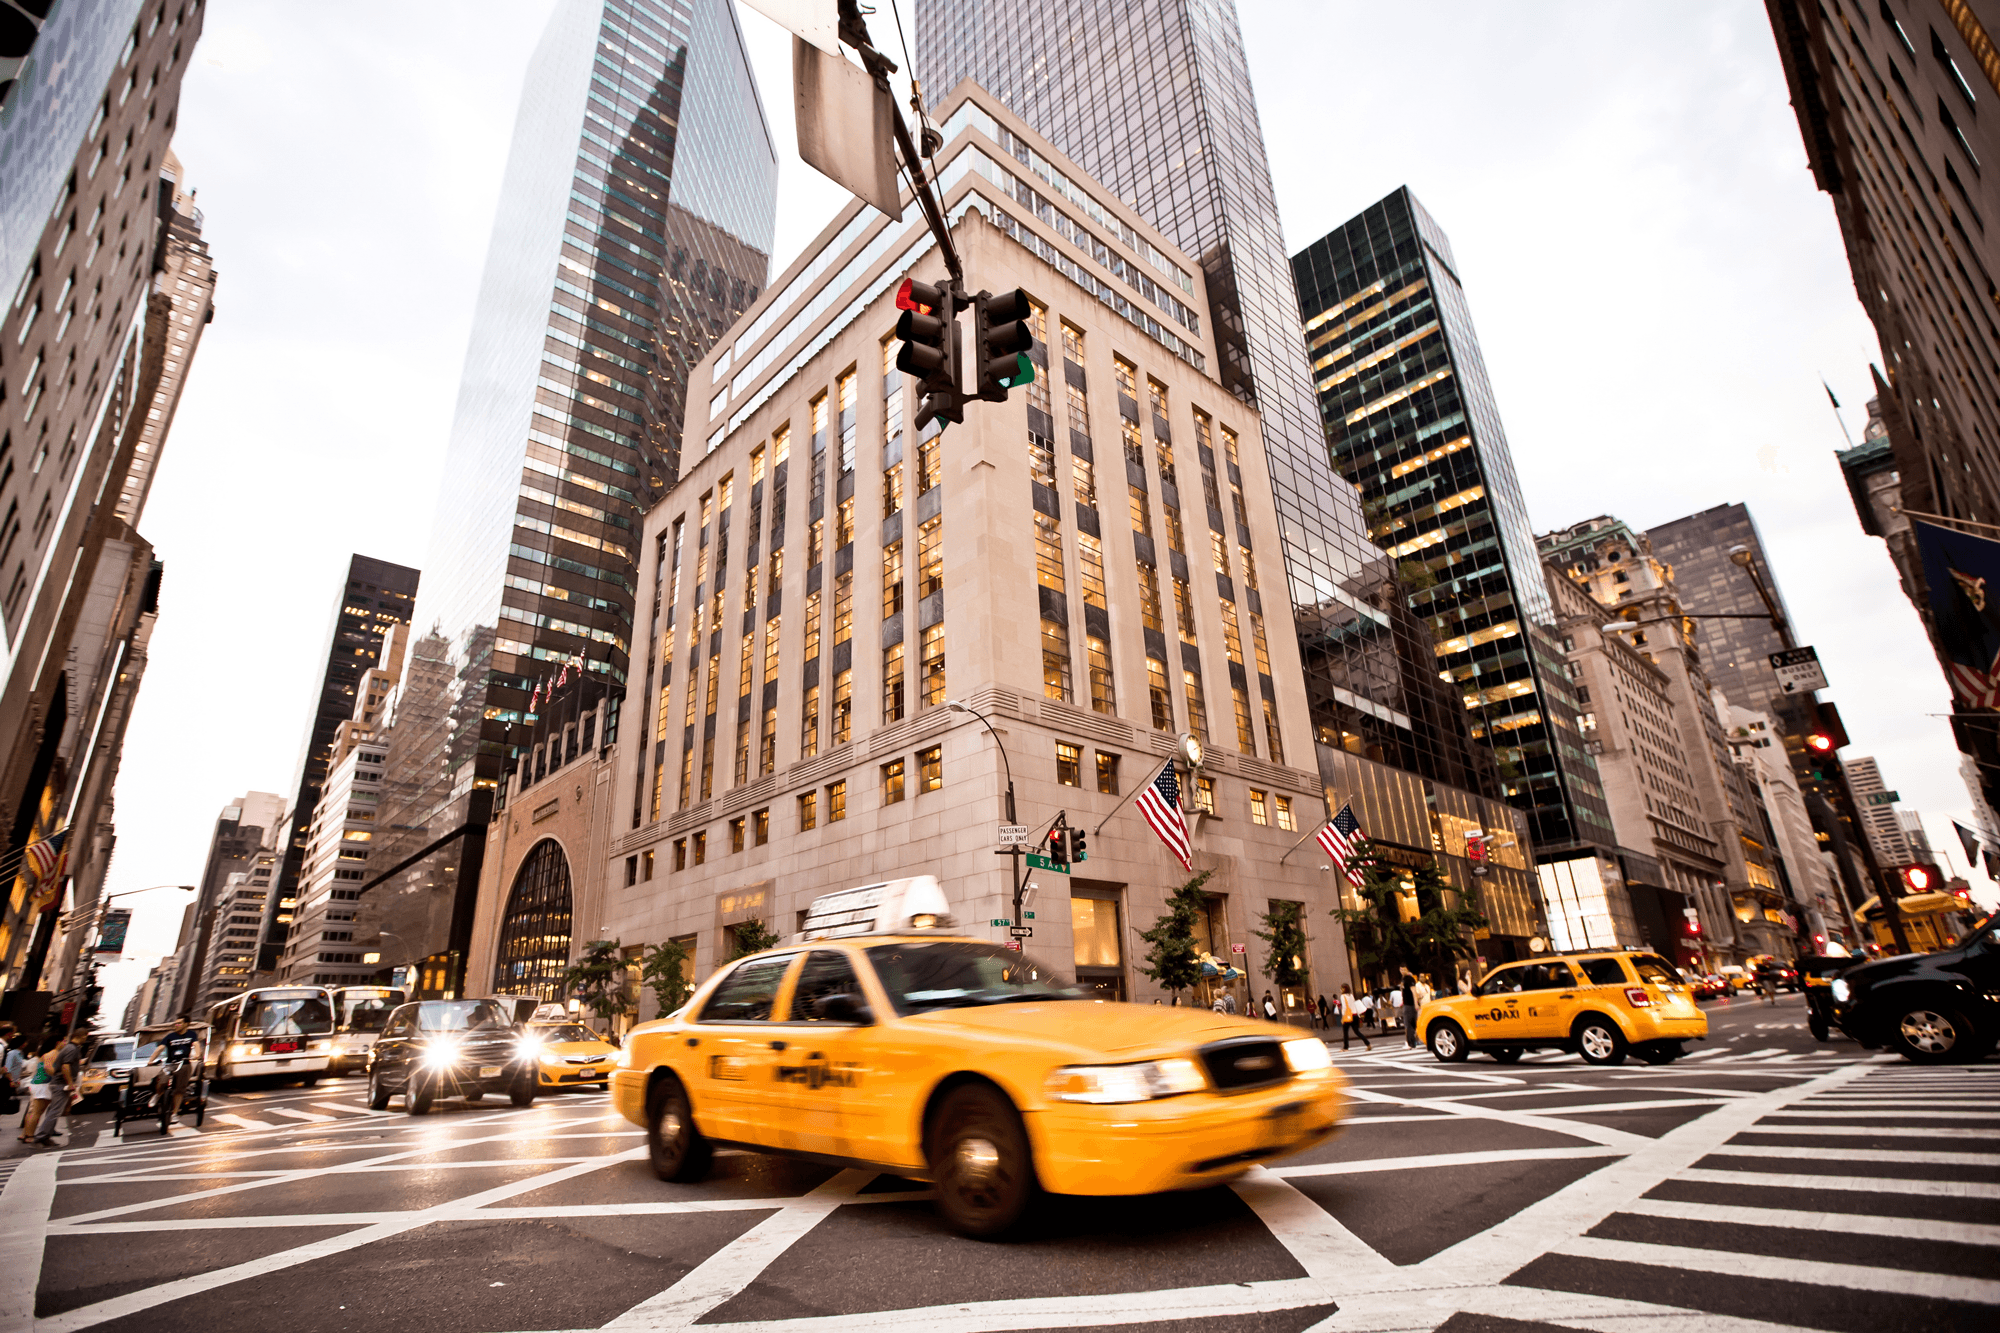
310	1117
243	1121
350	1109
1946	1189
1965	1233
1850	1131
1889	1113
1809	1272
1905	1155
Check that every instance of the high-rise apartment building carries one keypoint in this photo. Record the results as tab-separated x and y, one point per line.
248	827
325	945
1411	421
106	287
826	582
1878	812
374	602
1889	95
1153	99
635	224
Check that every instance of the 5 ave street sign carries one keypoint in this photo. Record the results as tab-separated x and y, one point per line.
1798	670
1043	863
1882	797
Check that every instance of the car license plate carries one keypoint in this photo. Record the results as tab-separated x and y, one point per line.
284	1062
1281	1124
489	1071
277	1046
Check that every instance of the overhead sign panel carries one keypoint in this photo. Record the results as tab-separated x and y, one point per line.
111	932
846	126
817	21
1798	670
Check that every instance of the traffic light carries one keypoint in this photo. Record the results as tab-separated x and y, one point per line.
1078	846
1058	847
1916	879
1820	763
1819	742
929	333
1000	342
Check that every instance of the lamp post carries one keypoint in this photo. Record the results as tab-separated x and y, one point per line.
1013	852
93	919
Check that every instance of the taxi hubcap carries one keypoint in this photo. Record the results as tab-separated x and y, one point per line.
978	1160
1446	1041
1928	1031
1597	1042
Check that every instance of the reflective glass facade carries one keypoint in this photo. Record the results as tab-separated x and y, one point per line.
635	224
1153	99
1736	653
1411	422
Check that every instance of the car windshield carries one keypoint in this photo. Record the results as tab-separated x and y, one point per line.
949	974
111	1052
462	1016
287	1016
1654	969
366	1013
566	1032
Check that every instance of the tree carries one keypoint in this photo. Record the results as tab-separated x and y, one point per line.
750	937
1284	937
1175	959
664	970
598	979
1386	935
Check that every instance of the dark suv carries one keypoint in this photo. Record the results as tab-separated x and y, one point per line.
1927	1007
452	1048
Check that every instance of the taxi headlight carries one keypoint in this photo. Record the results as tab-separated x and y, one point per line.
442	1053
624	1060
1842	992
1307	1054
1108	1084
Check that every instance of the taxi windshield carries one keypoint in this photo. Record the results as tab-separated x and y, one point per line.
951	974
565	1032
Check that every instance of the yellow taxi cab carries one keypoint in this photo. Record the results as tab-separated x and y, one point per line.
878	1039
1599	1004
570	1054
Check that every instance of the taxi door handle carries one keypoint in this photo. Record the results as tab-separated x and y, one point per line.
1567	995
777	1046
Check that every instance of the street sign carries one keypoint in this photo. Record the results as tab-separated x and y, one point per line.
846	125
1882	797
1043	863
1798	670
1236	948
1020	932
997	922
1015	945
1012	833
818	21
111	933
1029	915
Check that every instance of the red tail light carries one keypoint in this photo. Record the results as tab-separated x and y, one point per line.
1638	997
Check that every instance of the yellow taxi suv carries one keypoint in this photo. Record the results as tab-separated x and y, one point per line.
879	1040
570	1054
1601	1005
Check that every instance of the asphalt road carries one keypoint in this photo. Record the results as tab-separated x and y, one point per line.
1764	1182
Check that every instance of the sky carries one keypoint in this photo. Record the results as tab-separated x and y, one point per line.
1658	287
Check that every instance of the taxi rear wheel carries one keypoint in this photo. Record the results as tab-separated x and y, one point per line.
1661	1052
1509	1055
678	1150
980	1159
1599	1042
1447	1041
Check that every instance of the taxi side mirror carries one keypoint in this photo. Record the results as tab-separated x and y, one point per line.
842	1009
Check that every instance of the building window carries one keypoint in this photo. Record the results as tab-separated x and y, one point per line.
1083	479
1259	808
1286	820
1149	599
631	871
892	487
892	782
1142	515
760	826
933	665
836	801
680	853
843	524
1232	637
1072	342
892	579
930	768
892	683
736	834
1271	739
1107	773
771	630
1184	610
742	750
809	723
843	607
701	848
1041	459
1069	764
767	742
812	625
1246	726
1055	660
843	707
1197	705
1048	553
930	459
930	558
808	811
1204	795
646	865
845	386
1156	689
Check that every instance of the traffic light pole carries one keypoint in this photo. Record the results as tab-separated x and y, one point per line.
854	32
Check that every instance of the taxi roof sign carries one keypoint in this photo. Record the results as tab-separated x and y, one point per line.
893	906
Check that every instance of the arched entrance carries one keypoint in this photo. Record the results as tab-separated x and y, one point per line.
534	934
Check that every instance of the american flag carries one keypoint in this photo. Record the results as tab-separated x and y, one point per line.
1339	837
46	861
1160	803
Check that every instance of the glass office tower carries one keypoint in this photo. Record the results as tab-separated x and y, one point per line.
1153	98
1411	421
635	223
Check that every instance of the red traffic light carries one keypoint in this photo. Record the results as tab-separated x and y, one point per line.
1916	878
1819	742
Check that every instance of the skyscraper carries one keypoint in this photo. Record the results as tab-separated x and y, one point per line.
1153	99
376	597
635	222
1411	421
1736	652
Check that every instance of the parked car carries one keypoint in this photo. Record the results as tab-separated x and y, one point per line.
1599	1004
453	1048
1927	1007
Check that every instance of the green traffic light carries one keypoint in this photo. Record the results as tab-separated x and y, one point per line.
1024	372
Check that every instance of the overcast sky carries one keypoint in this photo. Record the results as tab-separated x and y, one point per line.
1658	288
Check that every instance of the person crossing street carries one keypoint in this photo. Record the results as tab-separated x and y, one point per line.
1350	1020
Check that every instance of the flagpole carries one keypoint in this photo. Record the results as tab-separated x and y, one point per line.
1300	843
1133	794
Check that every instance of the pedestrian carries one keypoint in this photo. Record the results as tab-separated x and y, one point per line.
1229	1002
1407	998
1218	1005
1270	1008
1393	1016
176	1063
1364	1011
1323	1014
66	1068
41	1087
16	1070
1350	1019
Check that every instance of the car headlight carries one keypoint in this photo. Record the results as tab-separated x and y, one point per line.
529	1048
1307	1054
319	1046
1841	990
624	1058
1107	1084
441	1053
244	1052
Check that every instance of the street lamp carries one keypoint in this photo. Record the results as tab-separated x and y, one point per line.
1013	852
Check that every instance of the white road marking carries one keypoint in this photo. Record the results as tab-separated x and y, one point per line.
354	1108
1615	1138
310	1117
1332	1255
1950	1189
1852	1131
243	1122
1910	1156
1373	1164
1862	1224
1893	1113
24	1220
1855	1277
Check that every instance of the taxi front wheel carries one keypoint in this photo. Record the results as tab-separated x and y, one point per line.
1599	1042
980	1159
678	1150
